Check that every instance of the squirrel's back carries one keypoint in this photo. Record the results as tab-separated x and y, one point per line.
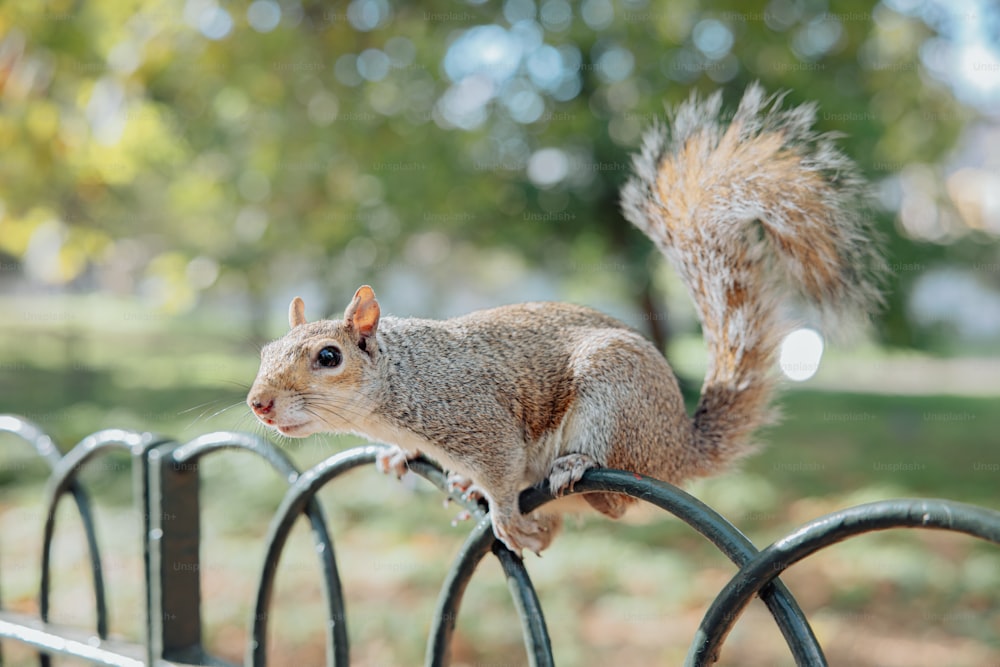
566	376
534	352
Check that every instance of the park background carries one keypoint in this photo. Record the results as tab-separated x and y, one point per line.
171	173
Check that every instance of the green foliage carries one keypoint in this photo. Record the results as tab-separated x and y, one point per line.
144	157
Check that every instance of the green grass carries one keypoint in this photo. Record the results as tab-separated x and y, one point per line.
915	445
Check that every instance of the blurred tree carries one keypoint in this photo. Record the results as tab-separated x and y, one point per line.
180	149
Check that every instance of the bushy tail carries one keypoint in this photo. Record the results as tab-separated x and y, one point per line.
750	212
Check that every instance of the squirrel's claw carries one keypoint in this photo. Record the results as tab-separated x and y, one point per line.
567	471
458	482
395	460
465	487
464	515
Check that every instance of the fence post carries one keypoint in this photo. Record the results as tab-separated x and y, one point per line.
173	577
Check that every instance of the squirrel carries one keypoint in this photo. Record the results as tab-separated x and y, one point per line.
749	212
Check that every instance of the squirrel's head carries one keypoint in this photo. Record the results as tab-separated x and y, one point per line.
311	379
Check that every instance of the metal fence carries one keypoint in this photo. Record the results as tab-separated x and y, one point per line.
166	484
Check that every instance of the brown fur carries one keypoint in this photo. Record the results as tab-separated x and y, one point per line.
512	396
700	191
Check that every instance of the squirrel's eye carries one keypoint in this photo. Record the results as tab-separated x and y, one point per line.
329	357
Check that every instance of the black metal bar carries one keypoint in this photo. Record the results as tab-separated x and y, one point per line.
717	529
173	527
529	609
193	450
27	430
71	642
300	494
480	541
61	481
338	649
47	450
827	530
166	483
476	546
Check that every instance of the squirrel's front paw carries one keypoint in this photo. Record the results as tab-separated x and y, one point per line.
567	470
394	460
465	487
533	533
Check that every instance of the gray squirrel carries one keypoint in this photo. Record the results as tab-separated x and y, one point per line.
749	212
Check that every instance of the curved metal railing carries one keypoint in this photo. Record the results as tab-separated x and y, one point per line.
166	481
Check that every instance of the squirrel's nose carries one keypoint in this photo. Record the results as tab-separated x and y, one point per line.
262	407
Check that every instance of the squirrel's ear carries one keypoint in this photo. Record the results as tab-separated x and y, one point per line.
296	313
362	315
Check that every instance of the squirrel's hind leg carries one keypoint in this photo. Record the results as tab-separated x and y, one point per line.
501	484
518	531
611	505
568	470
